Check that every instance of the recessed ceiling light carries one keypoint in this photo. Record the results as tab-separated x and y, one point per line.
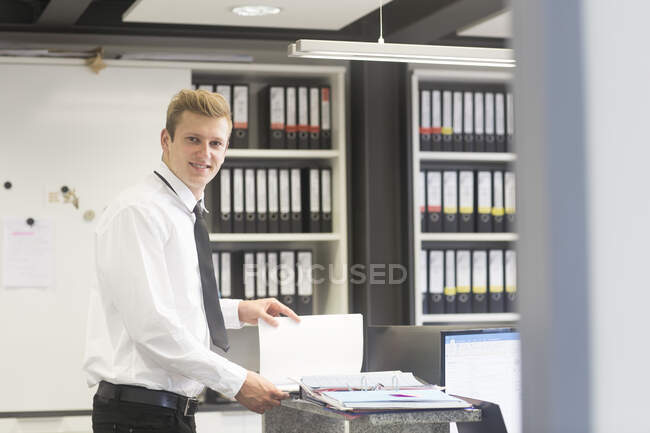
255	11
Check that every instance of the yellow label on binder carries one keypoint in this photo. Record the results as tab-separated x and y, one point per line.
480	289
462	289
447	131
466	209
511	289
510	210
450	291
497	211
450	209
485	209
496	289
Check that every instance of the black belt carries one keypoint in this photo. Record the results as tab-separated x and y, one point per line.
137	394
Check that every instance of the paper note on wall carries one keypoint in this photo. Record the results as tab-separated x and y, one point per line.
28	253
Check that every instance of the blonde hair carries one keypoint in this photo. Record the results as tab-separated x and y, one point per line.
200	102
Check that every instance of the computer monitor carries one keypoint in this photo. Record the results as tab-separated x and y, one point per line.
485	364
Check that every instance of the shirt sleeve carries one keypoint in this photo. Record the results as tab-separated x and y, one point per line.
133	273
229	309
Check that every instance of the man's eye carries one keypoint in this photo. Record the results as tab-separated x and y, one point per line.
193	139
217	144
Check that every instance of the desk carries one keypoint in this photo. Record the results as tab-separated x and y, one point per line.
298	416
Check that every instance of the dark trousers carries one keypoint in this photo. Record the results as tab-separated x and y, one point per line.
112	416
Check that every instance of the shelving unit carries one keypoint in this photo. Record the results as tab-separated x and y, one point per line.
330	249
451	75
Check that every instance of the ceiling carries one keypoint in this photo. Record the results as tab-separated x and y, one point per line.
199	24
294	14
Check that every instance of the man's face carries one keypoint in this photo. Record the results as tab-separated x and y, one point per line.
197	150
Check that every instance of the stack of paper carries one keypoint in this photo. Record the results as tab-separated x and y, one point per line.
393	400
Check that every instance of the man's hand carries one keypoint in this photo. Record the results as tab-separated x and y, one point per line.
258	394
267	309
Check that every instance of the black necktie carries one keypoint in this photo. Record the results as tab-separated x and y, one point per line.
208	282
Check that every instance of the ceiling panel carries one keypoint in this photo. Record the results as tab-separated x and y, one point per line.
298	14
497	26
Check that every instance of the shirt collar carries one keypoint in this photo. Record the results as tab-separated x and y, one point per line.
182	191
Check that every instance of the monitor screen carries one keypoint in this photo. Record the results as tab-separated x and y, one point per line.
485	364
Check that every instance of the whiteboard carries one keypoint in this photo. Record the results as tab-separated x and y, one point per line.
61	124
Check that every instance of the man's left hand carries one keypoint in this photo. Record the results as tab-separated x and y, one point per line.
266	309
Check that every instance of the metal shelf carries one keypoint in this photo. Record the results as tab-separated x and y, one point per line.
470	237
468	156
470	318
281	154
274	237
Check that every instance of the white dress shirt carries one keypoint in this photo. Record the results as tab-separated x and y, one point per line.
146	322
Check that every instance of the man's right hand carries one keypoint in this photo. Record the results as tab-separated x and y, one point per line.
258	394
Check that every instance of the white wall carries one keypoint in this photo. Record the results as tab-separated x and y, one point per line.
617	70
64	125
582	97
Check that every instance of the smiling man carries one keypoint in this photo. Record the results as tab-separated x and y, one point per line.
156	308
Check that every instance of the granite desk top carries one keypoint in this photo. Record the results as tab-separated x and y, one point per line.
426	416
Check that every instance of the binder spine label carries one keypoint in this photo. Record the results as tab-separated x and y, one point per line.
422	272
447	127
436	272
249	275
509	196
466	192
463	271
314	191
510	119
277	107
436	115
469	114
273	190
284	191
287	273
226	281
434	192
292	125
314	116
260	289
250	190
496	271
500	114
450	184
224	90
450	273
489	113
224	193
484	192
425	112
511	271
497	209
478	110
479	272
305	281
238	190
296	205
326	185
240	116
458	112
261	191
303	109
272	270
325	108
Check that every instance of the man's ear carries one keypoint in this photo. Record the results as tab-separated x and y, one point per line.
165	140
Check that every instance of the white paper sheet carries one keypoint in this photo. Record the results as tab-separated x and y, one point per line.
28	253
327	344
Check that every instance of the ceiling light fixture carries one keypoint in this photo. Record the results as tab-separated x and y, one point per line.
255	11
410	53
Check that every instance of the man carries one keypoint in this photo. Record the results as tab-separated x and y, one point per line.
157	308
